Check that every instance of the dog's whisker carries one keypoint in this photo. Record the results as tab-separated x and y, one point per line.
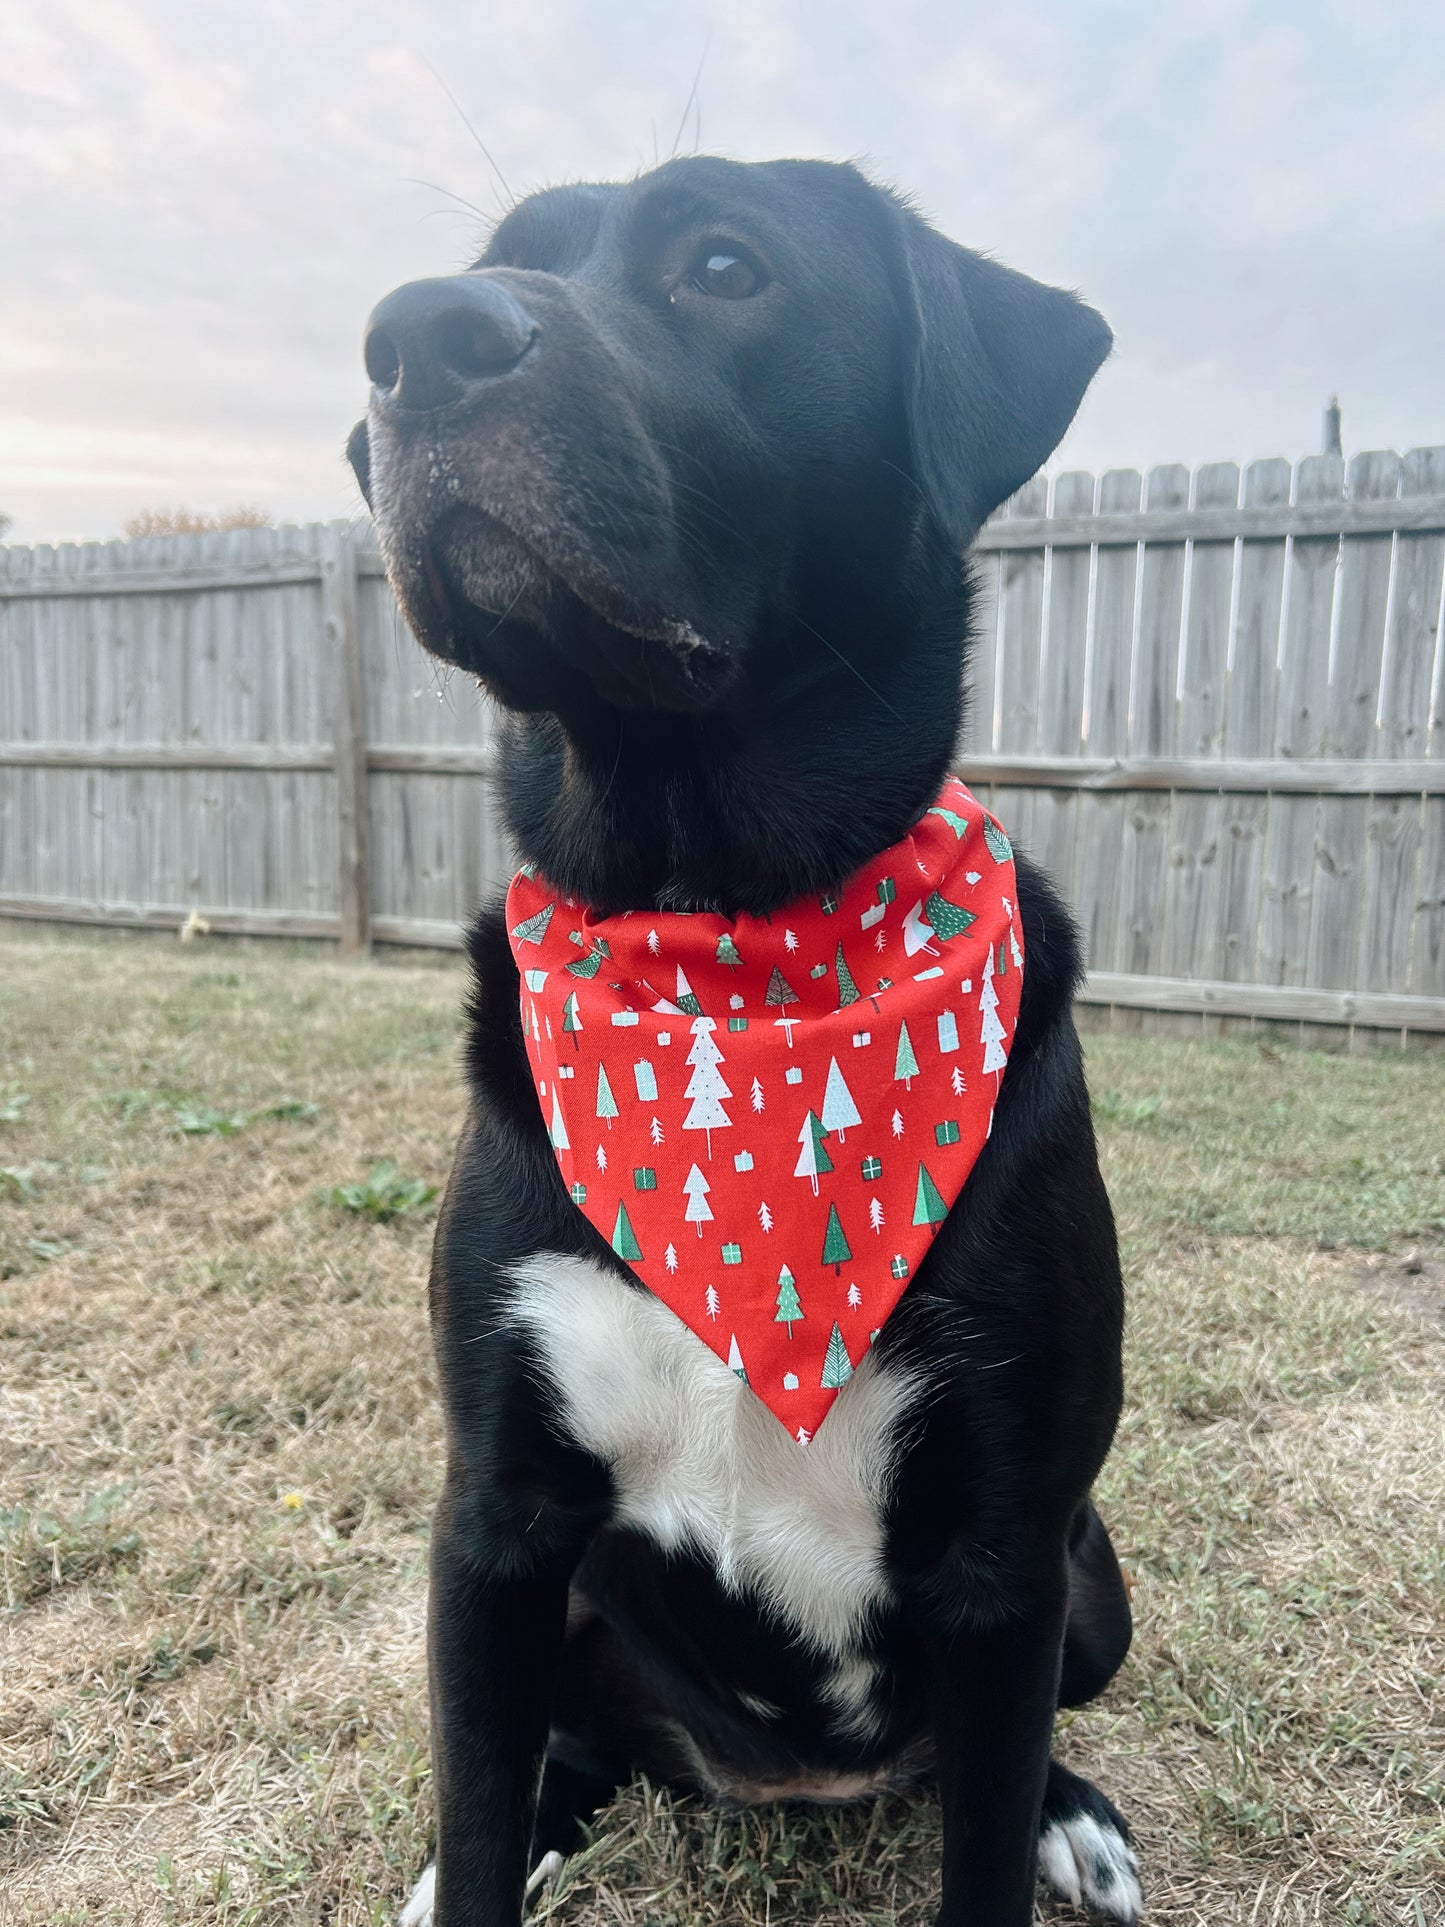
435	187
466	122
850	666
691	102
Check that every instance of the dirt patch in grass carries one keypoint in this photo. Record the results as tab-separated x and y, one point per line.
1410	1281
219	1445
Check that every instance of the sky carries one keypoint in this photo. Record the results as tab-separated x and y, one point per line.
200	203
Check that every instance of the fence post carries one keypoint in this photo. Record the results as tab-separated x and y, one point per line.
338	608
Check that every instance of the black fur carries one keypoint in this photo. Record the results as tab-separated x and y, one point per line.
709	554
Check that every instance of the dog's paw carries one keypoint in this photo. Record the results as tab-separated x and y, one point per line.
1088	1861
418	1910
543	1874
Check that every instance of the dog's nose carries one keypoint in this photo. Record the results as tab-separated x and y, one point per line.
432	343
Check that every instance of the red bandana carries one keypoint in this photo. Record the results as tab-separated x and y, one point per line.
769	1118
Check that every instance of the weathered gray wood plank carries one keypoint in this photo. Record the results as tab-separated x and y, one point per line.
339	618
1100	833
1393	849
1424	468
128	916
1020	633
1395	1012
1064	663
986	573
1427	939
263	756
1249	727
1226	776
1192	944
1308	517
1152	731
1337	908
1299	731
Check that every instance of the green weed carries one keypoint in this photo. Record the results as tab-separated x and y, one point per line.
41	1552
385	1194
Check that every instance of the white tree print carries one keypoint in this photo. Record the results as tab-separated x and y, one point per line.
705	1087
918	933
697	1187
875	1214
765	1216
813	1158
669	1257
839	1110
710	1299
757	1100
993	1033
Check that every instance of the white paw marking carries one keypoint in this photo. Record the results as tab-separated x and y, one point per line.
417	1911
544	1873
702	1464
1092	1865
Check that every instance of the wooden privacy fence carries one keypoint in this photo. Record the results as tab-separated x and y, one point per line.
1217	714
238	724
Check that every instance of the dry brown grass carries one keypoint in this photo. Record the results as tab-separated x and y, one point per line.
183	521
218	1443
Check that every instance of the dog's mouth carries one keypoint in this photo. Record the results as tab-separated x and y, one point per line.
504	604
490	592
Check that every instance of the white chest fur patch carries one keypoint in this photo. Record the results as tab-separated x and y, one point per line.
701	1464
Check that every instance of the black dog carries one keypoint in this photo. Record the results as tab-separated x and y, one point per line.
684	471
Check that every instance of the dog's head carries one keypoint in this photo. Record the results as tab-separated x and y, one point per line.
663	427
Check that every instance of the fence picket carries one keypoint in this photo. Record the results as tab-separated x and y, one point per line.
1427	939
1394	905
1020	650
1061	707
1152	732
1191	946
1100	833
1299	731
1249	727
1349	731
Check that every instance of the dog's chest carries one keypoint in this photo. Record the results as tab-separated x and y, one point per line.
701	1465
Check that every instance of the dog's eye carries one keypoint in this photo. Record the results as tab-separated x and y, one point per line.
732	276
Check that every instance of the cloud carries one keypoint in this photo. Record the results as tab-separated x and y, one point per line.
198	206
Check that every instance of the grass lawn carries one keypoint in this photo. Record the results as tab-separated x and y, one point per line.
218	1446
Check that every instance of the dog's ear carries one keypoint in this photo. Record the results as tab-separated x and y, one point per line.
996	365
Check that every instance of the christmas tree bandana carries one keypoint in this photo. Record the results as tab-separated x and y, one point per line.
768	1118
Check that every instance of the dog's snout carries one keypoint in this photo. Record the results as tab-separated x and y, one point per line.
432	343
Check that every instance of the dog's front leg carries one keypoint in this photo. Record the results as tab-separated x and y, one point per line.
994	1695
498	1609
